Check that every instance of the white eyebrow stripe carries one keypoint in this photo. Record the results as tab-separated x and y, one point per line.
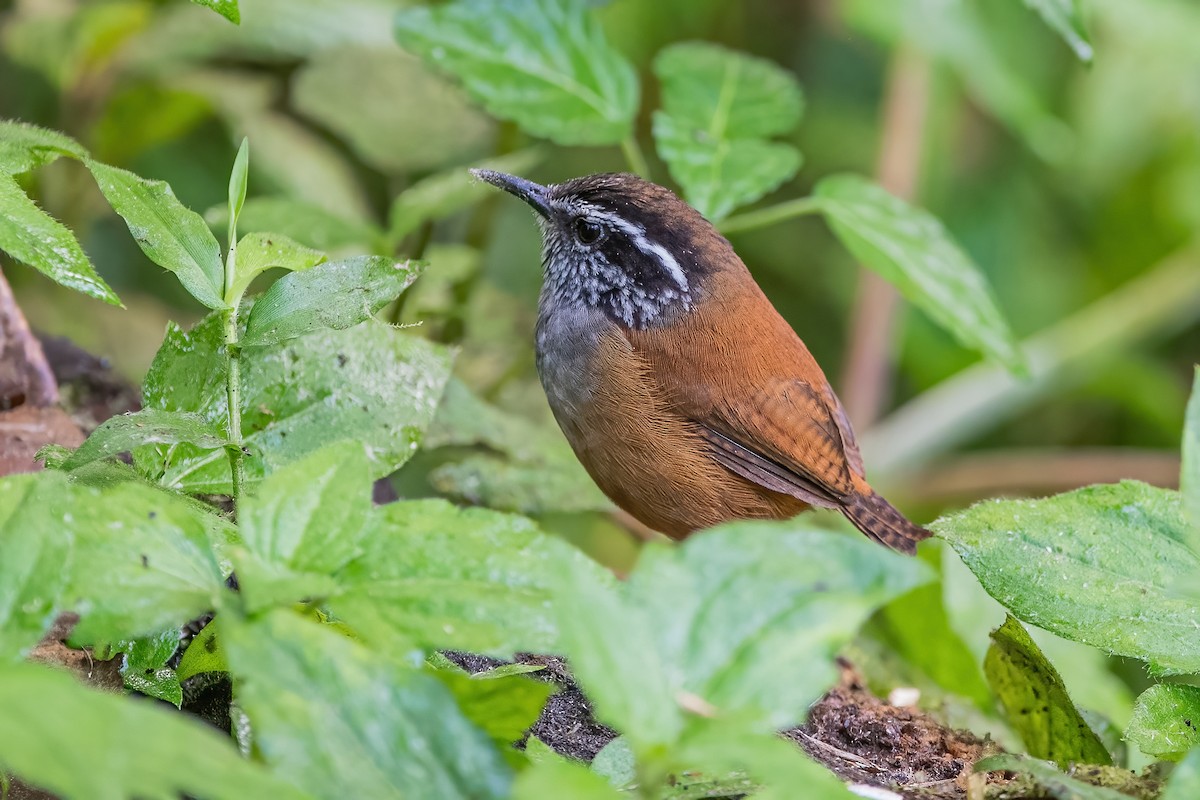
638	234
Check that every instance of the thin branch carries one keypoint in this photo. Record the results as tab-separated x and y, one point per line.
634	156
866	384
761	218
23	364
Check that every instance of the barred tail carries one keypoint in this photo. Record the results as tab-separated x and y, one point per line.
879	520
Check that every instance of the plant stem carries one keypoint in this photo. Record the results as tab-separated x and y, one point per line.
634	156
770	215
233	380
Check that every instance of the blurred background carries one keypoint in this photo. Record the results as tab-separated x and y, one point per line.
1076	187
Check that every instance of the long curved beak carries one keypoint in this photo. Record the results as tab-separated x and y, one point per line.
532	193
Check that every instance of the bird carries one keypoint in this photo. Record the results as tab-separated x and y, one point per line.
685	395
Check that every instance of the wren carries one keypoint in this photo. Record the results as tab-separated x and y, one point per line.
686	396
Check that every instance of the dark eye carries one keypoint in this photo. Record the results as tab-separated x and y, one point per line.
587	232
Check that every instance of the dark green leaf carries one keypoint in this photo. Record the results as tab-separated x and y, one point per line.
562	778
307	518
125	432
1065	17
258	252
912	250
238	178
226	8
1189	475
33	237
168	233
204	653
335	295
1036	701
1166	721
742	620
719	109
35	556
142	562
1058	784
445	193
369	383
544	64
144	666
304	222
77	742
1051	562
25	147
342	722
468	579
1184	783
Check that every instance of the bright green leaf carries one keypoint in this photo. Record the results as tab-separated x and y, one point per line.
77	742
142	562
743	620
258	252
1065	17
144	666
719	109
1189	476
1184	783
25	147
238	178
616	763
33	237
544	64
467	579
169	234
125	432
226	8
912	250
368	383
342	722
306	518
562	778
1166	721
35	556
502	707
445	193
1051	562
335	295
204	653
1036	701
304	222
1058	784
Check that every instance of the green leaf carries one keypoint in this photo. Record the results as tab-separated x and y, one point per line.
503	707
1189	475
342	722
142	562
303	523
616	762
25	147
335	295
741	621
304	222
1166	721
466	579
226	8
259	252
562	778
238	177
1036	701
445	193
912	250
77	742
169	234
1058	784
35	556
204	653
33	237
719	109
144	666
1051	563
1065	17
125	432
368	383
1184	783
543	64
